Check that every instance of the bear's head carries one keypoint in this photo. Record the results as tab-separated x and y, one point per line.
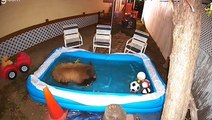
91	71
91	74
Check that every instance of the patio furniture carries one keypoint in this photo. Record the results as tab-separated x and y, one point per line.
72	37
137	43
102	38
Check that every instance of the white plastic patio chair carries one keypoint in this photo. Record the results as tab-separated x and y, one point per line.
138	43
72	37
102	38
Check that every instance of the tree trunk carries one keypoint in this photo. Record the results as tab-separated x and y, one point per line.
186	37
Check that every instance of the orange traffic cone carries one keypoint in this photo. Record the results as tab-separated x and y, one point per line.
55	112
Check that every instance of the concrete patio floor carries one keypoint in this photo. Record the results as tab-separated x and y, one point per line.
15	102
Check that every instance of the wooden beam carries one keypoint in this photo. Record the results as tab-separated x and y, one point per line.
186	37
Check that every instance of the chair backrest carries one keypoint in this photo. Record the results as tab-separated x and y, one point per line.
141	36
103	31
70	31
137	42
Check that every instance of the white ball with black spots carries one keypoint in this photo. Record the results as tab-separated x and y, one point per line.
134	86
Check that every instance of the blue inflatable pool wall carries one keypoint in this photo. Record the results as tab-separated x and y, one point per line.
114	74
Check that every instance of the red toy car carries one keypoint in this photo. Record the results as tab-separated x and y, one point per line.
23	63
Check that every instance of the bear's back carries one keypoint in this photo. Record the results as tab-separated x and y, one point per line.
69	72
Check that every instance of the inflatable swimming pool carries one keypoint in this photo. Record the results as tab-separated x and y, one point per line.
114	74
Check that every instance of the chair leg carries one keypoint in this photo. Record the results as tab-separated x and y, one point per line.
143	51
125	50
94	49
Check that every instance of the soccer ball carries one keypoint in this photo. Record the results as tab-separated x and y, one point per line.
134	86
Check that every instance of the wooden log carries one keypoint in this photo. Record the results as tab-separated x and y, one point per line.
186	37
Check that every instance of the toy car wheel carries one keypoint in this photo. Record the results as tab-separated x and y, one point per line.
24	68
12	75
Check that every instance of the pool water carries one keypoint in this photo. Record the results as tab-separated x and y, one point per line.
111	76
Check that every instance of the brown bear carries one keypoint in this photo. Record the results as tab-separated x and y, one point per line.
78	73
